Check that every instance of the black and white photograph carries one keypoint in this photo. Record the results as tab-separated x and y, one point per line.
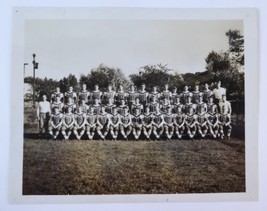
132	106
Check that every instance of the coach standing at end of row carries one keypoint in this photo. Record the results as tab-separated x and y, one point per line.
43	114
218	93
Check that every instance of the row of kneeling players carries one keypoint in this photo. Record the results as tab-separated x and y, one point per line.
155	125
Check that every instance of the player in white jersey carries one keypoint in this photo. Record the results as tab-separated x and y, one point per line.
110	94
213	122
84	106
96	94
137	106
225	123
67	123
91	123
196	94
165	106
154	94
147	123
96	106
114	124
103	123
43	114
79	123
55	123
56	94
225	105
110	106
185	94
169	120
57	103
153	105
126	124
122	106
137	123
120	95
158	122
84	94
70	104
207	93
143	96
202	122
179	122
218	92
190	123
132	94
70	94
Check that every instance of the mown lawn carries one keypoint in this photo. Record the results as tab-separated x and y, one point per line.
132	167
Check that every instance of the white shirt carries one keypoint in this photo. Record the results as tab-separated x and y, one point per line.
218	92
43	107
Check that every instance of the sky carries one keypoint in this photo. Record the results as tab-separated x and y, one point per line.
64	47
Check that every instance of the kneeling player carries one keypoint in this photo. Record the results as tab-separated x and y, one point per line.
213	121
137	119
169	123
114	124
103	123
158	122
179	122
225	124
147	123
91	119
79	124
68	122
202	122
55	123
125	126
190	122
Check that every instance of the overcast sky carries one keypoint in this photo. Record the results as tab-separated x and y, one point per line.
76	46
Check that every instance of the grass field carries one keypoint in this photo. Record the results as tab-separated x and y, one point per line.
131	167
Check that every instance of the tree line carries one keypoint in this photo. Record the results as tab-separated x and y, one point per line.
226	66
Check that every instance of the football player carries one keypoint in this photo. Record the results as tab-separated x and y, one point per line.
57	103
84	94
103	123
79	123
166	94
110	106
165	106
177	104
96	106
84	106
185	94
122	107
225	123
110	94
169	123
120	95
67	123
143	96
55	123
196	94
126	124
207	93
56	94
202	122
114	124
70	94
70	104
153	105
91	121
179	122
96	94
190	123
225	105
154	94
137	106
174	95
201	105
213	120
189	105
137	120
211	106
147	123
132	94
158	122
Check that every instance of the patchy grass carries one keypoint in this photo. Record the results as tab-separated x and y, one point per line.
130	167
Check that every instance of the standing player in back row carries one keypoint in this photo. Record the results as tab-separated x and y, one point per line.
96	95
143	96
70	94
84	94
56	94
109	95
131	97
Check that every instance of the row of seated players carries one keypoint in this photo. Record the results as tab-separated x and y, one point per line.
130	96
199	120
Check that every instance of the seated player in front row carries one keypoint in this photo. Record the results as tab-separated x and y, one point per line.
68	123
79	124
103	124
190	122
55	123
202	122
114	124
147	123
169	123
91	120
137	120
158	122
179	122
126	124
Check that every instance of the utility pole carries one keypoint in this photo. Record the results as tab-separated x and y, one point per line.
24	68
35	67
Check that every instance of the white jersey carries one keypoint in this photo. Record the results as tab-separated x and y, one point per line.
44	107
218	92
